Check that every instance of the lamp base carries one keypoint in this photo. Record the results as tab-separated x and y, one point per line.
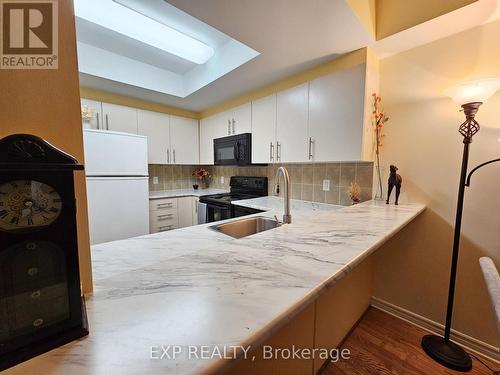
448	353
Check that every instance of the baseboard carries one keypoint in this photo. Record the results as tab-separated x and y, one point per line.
479	347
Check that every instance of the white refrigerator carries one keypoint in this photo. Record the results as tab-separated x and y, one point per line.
116	168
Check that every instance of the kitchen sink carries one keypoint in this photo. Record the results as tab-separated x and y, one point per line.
247	227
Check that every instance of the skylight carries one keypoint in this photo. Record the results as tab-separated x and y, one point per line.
128	22
151	45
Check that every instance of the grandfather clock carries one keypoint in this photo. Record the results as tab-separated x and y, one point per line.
41	304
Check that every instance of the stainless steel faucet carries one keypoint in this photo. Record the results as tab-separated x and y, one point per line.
287	217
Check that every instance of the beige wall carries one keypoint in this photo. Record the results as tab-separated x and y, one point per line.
47	103
422	139
393	16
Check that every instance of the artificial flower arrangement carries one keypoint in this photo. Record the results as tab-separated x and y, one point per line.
87	113
379	118
203	175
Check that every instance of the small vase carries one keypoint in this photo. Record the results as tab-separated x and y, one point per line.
204	183
195	186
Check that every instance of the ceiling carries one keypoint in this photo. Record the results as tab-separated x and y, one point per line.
291	35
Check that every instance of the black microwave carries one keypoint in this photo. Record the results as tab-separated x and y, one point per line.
233	150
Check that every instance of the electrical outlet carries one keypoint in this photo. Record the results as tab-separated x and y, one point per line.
155	180
221	179
326	185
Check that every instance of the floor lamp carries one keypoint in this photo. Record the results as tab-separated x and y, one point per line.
473	94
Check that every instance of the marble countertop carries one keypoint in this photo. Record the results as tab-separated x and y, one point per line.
194	286
174	193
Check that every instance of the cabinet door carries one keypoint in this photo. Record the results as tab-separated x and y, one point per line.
291	129
336	105
185	211
95	107
211	128
264	130
184	140
119	118
241	121
195	210
155	126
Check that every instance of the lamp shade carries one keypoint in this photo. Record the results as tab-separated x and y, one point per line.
473	91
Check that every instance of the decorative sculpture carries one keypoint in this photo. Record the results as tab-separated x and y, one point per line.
395	180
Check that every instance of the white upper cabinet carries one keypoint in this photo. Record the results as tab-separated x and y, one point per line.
241	121
236	120
119	118
156	126
336	105
184	140
210	128
95	108
264	130
291	128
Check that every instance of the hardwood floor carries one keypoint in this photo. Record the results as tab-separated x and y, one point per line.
383	344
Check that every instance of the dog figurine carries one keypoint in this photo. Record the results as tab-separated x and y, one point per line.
395	180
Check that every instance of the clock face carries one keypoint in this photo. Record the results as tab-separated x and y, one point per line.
28	204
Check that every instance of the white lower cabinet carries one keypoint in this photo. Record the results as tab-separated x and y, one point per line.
163	215
185	211
172	213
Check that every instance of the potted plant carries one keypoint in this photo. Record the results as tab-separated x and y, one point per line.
203	176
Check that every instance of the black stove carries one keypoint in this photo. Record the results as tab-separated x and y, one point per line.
219	207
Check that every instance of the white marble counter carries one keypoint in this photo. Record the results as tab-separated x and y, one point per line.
175	193
195	286
274	206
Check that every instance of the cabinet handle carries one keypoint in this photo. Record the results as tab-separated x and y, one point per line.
166	227
164	205
310	148
278	151
165	217
107	122
271	151
234	131
228	127
168	156
97	118
174	155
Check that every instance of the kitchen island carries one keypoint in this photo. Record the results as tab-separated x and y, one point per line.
196	287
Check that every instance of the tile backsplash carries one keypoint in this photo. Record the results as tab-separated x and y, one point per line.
306	179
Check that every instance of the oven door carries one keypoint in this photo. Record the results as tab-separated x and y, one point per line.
217	213
233	150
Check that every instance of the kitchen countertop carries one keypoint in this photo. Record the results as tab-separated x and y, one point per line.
195	286
175	193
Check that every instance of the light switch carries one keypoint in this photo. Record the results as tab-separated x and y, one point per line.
221	179
326	185
155	180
